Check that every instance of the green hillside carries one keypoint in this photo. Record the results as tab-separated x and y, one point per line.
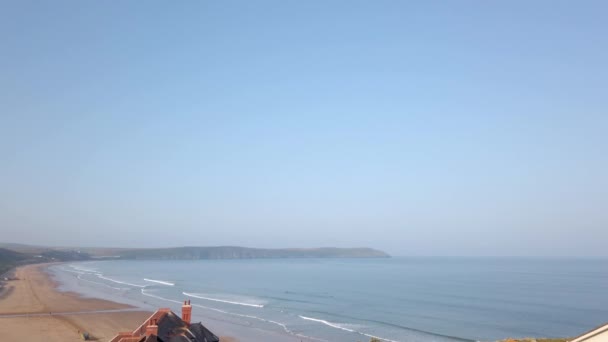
26	253
231	252
9	258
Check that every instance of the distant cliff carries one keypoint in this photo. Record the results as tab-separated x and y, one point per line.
45	254
230	252
10	258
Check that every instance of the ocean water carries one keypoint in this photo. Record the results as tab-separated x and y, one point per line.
395	299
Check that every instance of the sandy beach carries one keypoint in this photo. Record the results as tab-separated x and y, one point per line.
31	309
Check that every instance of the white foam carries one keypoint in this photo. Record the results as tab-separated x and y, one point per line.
143	292
81	272
77	272
96	282
160	282
119	282
221	300
338	326
89	270
283	326
333	325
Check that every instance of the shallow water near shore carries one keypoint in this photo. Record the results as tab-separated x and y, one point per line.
339	300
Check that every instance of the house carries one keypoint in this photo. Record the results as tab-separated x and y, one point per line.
599	334
165	326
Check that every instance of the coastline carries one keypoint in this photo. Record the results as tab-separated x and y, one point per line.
32	309
45	303
229	327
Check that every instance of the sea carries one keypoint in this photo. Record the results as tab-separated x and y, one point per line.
340	300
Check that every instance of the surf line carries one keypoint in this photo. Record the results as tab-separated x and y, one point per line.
282	325
160	282
96	282
119	282
337	326
222	301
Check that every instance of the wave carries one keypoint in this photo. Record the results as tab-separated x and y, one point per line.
333	325
96	282
160	282
83	271
398	326
143	292
221	300
120	282
282	325
88	270
338	326
77	272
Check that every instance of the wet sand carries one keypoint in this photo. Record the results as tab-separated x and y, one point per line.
31	309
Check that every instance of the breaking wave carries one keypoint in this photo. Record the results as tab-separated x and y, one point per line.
398	326
341	327
83	269
145	293
119	282
282	325
96	282
160	282
195	295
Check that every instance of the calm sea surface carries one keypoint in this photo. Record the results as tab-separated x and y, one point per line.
396	299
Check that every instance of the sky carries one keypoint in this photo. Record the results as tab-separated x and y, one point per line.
467	128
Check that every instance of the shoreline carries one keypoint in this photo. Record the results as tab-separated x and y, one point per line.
33	309
230	327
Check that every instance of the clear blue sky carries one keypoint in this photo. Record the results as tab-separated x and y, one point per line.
419	128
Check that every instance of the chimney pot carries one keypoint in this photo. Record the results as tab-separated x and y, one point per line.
152	328
187	312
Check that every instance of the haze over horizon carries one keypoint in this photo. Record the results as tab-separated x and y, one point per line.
434	128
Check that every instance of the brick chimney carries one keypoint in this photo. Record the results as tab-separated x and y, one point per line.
152	328
187	312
